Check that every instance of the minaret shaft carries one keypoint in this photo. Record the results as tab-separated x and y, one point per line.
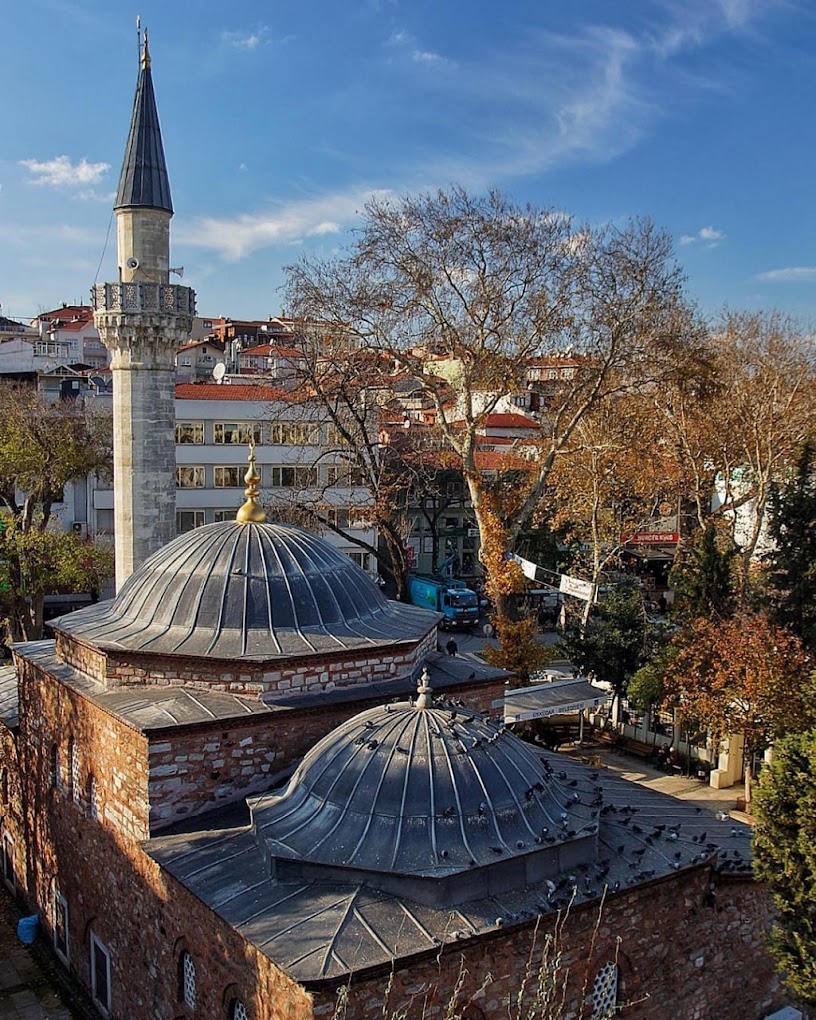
143	319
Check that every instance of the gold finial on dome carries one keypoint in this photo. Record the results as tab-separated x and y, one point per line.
424	691
251	511
145	53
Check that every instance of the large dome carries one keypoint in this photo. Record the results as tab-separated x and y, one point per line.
248	591
410	792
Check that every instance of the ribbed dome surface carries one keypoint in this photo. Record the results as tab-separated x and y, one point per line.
256	591
422	792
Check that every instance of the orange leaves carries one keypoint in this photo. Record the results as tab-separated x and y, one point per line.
742	675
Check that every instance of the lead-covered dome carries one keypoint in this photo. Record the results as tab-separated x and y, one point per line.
407	793
254	591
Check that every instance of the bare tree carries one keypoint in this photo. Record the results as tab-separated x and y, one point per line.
484	286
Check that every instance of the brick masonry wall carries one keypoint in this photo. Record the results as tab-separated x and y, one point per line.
193	770
678	958
11	819
681	953
54	715
305	674
113	889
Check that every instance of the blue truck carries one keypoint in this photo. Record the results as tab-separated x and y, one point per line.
458	604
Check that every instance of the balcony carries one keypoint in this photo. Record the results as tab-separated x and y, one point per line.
160	298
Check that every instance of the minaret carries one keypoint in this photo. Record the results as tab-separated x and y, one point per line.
142	320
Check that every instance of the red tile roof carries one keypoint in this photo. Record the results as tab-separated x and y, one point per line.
510	421
270	349
230	391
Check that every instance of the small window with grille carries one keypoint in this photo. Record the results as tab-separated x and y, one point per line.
238	1010
73	764
93	799
187	980
604	996
56	772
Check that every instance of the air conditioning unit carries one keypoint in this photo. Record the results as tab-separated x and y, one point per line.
80	528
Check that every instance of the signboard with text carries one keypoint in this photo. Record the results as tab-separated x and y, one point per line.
651	537
576	587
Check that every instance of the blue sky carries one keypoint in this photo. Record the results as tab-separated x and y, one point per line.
280	117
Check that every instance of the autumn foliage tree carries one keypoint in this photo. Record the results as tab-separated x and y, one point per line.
43	447
741	675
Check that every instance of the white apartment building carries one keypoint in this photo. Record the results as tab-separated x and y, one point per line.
214	424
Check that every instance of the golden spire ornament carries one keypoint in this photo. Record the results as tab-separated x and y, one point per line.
251	511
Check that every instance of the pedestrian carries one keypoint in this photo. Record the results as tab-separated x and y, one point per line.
487	630
451	647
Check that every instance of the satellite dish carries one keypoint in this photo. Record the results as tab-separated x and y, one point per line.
132	263
219	371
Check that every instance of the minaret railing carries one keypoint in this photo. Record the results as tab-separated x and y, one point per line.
163	298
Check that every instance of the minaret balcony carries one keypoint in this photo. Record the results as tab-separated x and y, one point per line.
159	298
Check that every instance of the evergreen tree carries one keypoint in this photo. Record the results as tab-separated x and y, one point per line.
792	562
704	583
612	645
785	857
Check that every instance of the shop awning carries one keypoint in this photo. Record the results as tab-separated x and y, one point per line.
555	698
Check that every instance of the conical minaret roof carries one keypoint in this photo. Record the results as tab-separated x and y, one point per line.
144	181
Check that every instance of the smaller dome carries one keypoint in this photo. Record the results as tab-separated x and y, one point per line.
254	591
427	792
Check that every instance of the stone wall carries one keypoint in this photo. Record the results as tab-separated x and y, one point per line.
195	769
102	762
11	818
307	674
679	956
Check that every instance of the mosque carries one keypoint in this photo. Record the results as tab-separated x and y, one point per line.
249	788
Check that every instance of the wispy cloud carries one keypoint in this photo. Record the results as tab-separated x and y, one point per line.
286	224
60	172
707	236
249	39
426	57
791	274
416	53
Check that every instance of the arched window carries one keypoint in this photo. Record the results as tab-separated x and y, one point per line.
604	996
238	1010
56	775
4	785
187	980
93	804
73	765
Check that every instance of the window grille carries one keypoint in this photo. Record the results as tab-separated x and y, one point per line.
73	759
56	775
188	980
604	997
238	1010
